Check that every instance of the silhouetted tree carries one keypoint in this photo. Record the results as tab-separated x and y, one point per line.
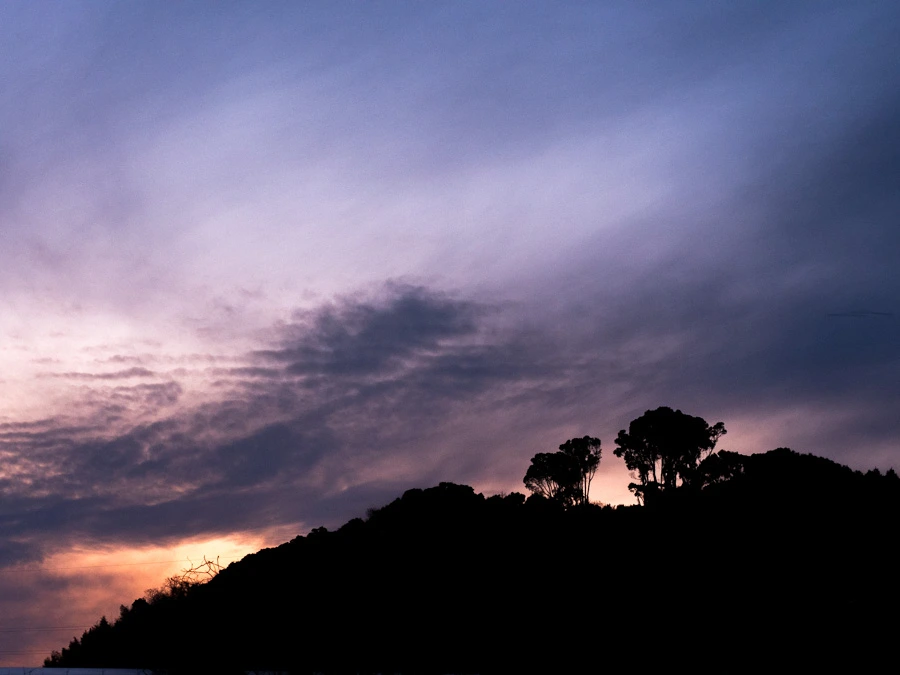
586	453
663	447
719	467
555	476
565	476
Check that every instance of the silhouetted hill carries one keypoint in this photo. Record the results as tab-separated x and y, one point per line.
781	561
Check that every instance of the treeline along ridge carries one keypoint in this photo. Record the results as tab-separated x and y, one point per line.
730	563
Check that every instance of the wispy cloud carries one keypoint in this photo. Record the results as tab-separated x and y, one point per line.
115	375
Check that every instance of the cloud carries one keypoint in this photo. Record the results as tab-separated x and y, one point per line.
116	375
405	385
359	339
359	374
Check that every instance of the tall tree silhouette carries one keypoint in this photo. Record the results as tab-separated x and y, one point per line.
553	475
565	476
585	452
664	447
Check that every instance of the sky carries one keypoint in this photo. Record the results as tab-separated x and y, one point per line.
265	266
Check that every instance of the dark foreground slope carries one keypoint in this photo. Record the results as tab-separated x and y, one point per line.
782	561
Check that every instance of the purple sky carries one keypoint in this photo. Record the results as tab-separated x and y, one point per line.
264	266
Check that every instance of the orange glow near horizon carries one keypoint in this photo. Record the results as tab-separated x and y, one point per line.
71	589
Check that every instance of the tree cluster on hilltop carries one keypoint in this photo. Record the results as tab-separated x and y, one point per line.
664	449
565	476
734	563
